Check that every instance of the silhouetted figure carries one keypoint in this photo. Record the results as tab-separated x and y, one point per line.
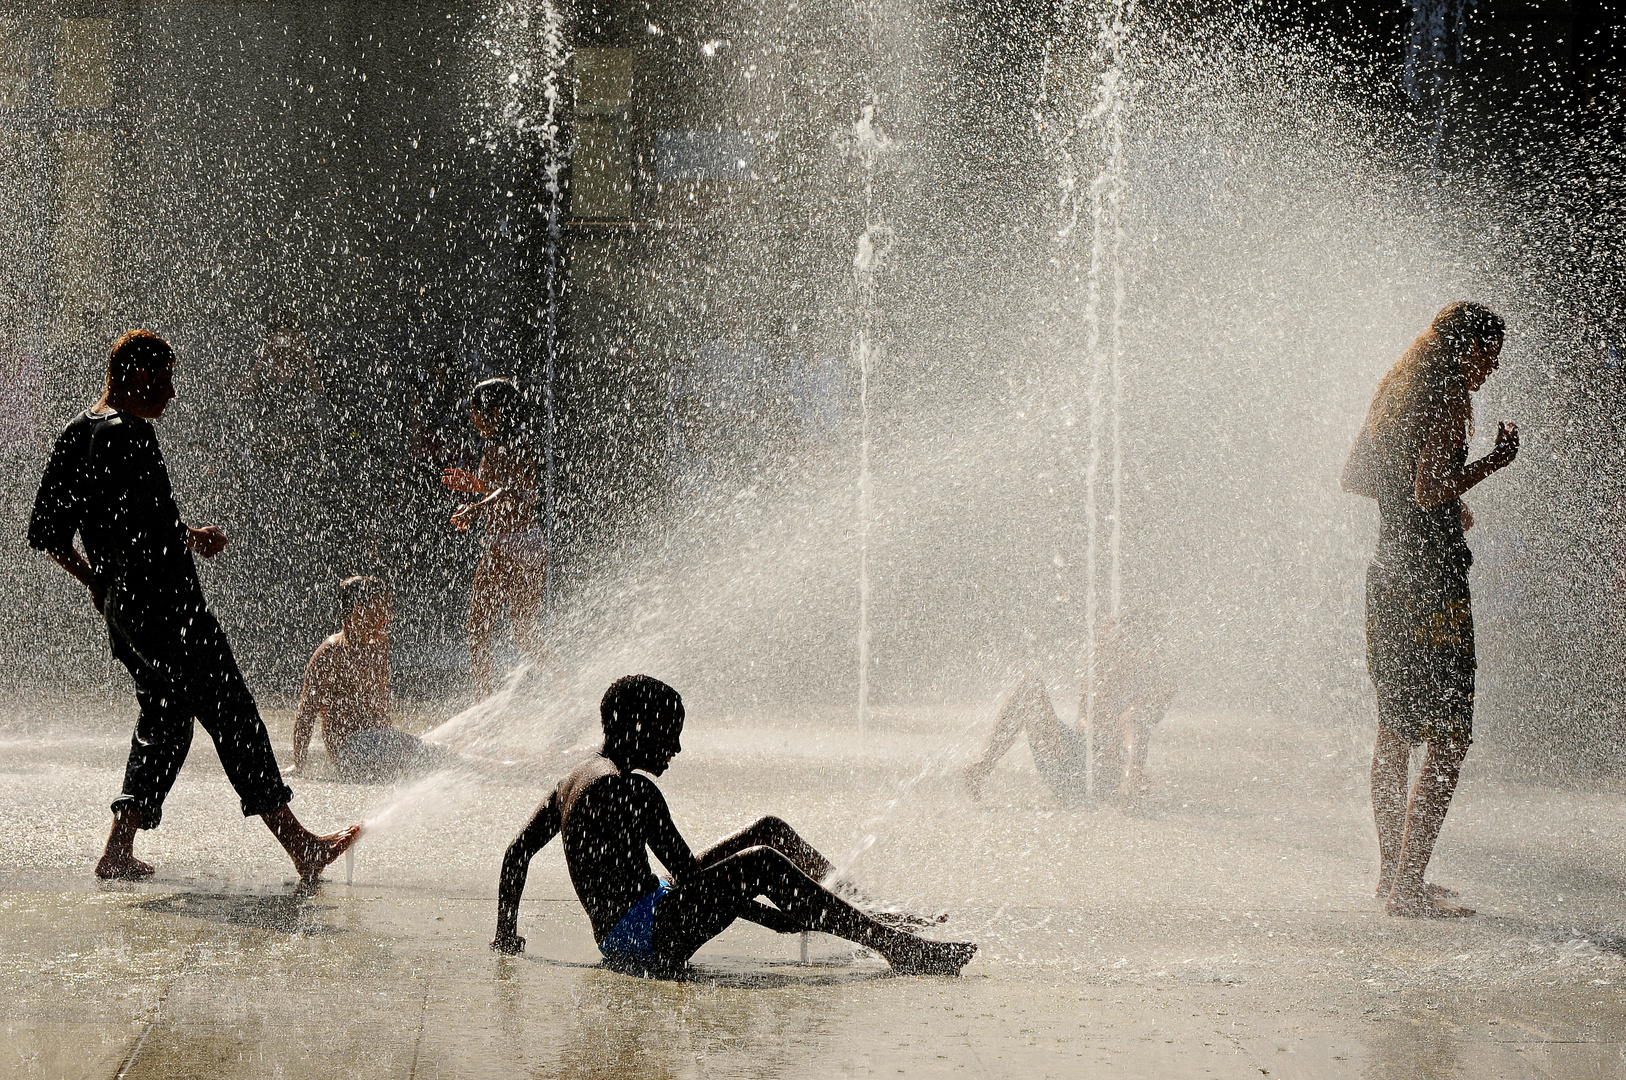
1132	694
107	481
611	818
1412	457
513	571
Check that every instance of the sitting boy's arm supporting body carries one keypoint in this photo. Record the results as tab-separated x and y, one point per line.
516	863
313	696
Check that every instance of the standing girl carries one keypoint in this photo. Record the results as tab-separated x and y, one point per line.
513	571
1412	457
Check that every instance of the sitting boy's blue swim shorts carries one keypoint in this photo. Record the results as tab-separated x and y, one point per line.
634	936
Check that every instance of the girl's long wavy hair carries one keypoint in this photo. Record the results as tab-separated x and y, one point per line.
1426	383
1424	387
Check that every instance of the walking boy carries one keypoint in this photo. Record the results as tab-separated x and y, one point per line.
107	481
611	818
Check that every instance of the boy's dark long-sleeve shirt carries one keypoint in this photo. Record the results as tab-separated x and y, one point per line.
106	480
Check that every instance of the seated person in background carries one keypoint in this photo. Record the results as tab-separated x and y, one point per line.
347	686
1132	692
611	818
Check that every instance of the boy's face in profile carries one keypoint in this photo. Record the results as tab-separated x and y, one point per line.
151	390
662	745
483	423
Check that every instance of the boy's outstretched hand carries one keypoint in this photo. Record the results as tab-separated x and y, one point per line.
509	943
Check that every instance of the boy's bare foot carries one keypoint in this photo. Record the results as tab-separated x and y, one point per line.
122	867
314	855
1425	906
906	920
917	956
118	857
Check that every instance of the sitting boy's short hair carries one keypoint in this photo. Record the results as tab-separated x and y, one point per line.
359	590
638	703
136	350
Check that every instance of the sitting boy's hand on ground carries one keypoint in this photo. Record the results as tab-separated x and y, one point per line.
511	944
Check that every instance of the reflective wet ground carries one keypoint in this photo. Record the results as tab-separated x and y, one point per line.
1226	930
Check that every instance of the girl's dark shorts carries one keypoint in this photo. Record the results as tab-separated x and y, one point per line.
1420	653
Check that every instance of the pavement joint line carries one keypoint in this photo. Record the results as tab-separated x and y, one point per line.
158	1010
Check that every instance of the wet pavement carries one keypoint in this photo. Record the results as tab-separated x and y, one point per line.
1228	929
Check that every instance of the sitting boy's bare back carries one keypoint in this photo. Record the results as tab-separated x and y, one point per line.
608	821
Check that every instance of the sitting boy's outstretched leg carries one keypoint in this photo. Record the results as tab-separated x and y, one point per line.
776	833
701	907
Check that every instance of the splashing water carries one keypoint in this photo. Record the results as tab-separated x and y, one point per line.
868	143
1104	116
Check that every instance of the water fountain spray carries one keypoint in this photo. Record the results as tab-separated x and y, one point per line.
1433	48
1104	349
869	142
554	156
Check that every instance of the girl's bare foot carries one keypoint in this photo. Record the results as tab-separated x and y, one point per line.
313	856
118	858
917	956
122	866
1425	906
1430	890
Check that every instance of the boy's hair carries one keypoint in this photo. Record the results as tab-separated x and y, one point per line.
635	704
136	350
356	591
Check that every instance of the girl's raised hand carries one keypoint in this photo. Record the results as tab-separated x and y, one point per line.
462	480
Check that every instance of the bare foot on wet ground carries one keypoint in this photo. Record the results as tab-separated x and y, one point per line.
122	867
313	856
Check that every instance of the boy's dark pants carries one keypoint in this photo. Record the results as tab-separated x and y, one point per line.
184	669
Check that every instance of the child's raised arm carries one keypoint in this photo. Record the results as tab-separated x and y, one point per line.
543	827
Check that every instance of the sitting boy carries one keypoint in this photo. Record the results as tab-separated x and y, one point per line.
611	818
1132	693
347	686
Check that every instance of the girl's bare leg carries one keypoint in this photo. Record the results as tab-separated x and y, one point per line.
702	907
526	593
1390	759
1430	799
485	602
